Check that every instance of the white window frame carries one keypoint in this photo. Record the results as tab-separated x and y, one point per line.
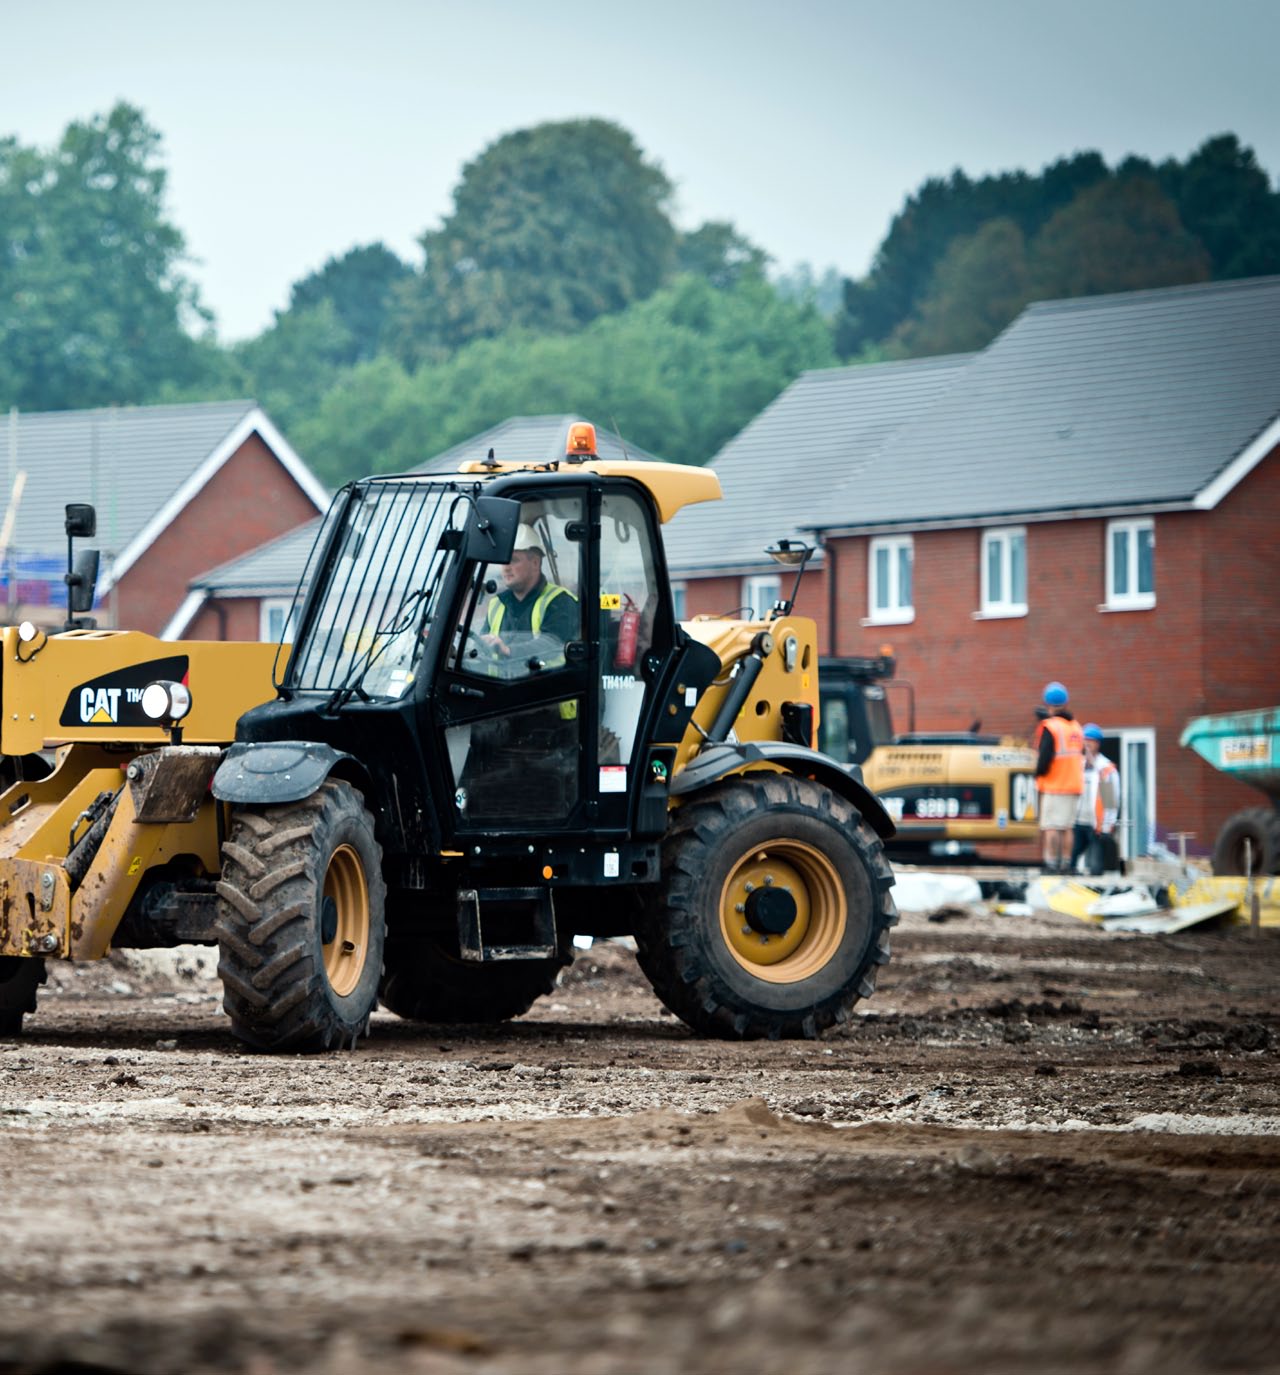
1127	600
760	591
998	602
897	612
267	607
1143	737
680	600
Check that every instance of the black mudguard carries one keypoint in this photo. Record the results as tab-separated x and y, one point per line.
717	761
282	771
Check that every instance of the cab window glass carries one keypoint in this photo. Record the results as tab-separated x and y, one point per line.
629	607
518	616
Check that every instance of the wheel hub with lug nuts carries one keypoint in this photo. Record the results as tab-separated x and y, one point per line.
783	911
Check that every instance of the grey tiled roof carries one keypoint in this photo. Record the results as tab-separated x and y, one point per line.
270	570
778	473
127	461
274	569
1140	398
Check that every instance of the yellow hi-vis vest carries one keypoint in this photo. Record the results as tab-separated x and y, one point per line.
497	609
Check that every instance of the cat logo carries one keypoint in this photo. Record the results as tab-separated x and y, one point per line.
114	700
99	706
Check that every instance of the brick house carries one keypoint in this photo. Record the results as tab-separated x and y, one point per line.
1094	497
250	597
177	488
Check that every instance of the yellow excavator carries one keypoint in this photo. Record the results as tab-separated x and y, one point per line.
947	791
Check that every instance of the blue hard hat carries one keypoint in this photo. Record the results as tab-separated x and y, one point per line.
1055	695
1092	732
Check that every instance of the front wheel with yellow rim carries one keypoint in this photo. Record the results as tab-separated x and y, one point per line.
301	921
774	911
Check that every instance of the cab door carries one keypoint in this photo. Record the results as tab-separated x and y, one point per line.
515	695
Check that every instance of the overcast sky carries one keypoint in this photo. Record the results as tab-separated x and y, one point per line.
294	131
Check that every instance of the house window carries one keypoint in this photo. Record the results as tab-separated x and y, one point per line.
1004	572
273	616
679	600
889	581
1131	564
760	592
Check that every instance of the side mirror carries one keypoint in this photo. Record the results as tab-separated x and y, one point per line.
82	581
491	530
81	520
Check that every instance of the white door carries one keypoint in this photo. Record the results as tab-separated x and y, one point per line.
1133	750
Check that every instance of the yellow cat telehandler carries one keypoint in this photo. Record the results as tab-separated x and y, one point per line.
490	734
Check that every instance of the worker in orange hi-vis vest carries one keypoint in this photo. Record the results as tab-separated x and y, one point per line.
1099	809
1059	777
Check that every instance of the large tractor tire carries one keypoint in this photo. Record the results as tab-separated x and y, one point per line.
1255	827
774	911
20	979
424	982
301	922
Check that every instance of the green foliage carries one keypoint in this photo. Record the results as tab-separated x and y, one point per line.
92	302
717	252
1120	235
943	210
359	287
979	286
290	366
551	227
678	374
801	285
1225	200
1085	229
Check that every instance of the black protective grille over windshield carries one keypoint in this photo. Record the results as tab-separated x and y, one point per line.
380	585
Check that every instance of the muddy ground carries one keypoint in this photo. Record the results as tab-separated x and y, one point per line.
1039	1148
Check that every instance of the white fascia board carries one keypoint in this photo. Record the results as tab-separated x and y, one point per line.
986	522
183	616
254	421
1239	468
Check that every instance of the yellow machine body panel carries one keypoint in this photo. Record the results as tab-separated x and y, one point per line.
41	820
967	792
86	685
790	674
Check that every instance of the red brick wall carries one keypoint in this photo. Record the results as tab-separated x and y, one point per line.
249	500
715	596
231	618
1209	644
1241	580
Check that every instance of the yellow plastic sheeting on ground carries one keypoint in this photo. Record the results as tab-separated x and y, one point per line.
1232	891
1073	898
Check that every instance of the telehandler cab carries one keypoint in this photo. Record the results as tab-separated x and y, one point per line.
491	734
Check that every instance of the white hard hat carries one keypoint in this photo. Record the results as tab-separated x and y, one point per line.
526	538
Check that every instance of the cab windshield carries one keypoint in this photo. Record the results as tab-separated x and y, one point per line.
381	565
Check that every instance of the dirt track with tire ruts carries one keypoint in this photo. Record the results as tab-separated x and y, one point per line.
1038	1148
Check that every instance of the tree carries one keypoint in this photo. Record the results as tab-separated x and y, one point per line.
359	286
679	373
1225	199
93	305
550	228
1121	235
718	253
979	286
290	366
941	211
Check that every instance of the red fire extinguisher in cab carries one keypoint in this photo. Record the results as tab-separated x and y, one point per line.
628	634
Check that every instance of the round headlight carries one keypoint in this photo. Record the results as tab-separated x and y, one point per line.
164	701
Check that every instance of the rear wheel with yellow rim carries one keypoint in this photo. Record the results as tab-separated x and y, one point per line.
774	912
301	921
